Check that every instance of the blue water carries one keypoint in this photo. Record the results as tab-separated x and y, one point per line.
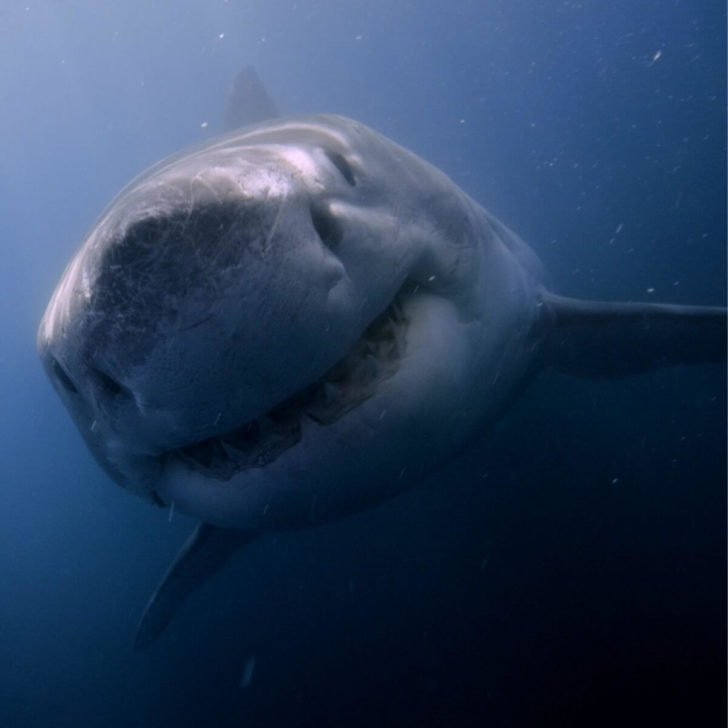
568	571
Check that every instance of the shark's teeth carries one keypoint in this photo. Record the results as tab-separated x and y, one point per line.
369	347
232	452
369	366
374	358
331	392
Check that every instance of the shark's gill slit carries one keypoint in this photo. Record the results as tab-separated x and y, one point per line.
374	358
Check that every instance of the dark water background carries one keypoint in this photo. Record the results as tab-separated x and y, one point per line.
568	571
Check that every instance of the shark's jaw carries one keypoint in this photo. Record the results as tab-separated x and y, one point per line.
370	427
374	358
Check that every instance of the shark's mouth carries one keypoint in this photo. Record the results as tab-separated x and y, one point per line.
374	358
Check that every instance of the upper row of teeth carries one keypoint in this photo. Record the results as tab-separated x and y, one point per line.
374	358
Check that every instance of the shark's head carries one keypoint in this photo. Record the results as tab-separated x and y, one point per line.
273	313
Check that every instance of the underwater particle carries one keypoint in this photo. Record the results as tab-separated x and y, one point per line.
221	36
619	228
247	676
650	290
203	125
171	513
657	56
615	481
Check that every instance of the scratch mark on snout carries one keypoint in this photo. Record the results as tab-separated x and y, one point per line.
195	324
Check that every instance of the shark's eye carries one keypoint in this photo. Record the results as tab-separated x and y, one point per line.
63	378
342	165
326	226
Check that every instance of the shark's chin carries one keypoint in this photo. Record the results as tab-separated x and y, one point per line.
374	358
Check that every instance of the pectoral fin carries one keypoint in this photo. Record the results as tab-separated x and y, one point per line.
204	553
596	339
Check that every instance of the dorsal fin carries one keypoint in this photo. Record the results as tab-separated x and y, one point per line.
597	339
248	101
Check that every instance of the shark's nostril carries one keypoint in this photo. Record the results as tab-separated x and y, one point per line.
326	226
342	165
108	385
63	378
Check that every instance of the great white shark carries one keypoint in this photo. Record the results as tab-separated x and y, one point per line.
300	319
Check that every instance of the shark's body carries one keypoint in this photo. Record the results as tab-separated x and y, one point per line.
299	320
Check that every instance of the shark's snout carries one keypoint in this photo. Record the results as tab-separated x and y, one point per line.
250	310
219	304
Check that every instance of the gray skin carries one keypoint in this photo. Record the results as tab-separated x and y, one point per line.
300	319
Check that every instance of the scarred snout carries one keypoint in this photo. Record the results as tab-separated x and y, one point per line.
238	296
204	296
